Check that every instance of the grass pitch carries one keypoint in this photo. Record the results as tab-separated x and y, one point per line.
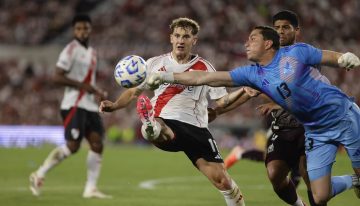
139	176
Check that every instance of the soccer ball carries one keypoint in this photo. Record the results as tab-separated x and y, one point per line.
130	71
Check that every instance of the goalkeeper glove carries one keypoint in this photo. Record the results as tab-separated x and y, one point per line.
157	78
348	60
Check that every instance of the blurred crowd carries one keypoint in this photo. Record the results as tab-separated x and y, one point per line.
123	27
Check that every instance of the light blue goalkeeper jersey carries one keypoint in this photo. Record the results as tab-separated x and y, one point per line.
294	83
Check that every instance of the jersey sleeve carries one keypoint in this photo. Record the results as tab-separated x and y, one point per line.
66	58
307	54
217	92
241	75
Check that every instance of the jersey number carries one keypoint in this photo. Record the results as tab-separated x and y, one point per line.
284	90
213	145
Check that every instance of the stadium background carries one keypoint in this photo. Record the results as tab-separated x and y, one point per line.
32	33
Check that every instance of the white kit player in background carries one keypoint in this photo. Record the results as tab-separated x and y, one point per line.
176	119
76	70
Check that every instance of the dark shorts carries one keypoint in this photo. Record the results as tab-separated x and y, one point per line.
81	123
194	141
286	145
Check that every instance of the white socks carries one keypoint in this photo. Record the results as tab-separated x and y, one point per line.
151	132
233	197
93	169
53	159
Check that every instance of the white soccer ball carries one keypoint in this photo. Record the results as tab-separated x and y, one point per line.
130	71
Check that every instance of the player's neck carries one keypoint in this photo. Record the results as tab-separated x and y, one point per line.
181	59
83	43
267	58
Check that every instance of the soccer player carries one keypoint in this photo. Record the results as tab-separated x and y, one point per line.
176	119
288	77
285	144
76	70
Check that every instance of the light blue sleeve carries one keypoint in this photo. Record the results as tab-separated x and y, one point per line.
241	75
307	54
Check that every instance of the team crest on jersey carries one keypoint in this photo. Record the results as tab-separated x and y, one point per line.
75	133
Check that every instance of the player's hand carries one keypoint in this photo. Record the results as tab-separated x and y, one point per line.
251	92
212	114
106	106
348	61
266	109
154	80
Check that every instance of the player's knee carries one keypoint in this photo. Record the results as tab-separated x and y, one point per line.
73	146
321	198
96	146
273	176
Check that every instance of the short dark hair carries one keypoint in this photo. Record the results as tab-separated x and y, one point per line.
184	22
81	18
290	16
269	33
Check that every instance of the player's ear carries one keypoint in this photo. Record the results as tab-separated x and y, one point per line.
268	44
195	40
171	39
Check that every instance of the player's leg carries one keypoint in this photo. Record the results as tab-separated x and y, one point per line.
282	155
200	147
305	177
320	158
154	130
238	152
278	171
73	135
352	145
321	148
94	135
295	176
218	176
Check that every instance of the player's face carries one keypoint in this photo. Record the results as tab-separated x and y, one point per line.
255	46
286	31
182	41
82	31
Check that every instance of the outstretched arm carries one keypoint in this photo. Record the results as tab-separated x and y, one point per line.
232	101
193	78
336	59
123	100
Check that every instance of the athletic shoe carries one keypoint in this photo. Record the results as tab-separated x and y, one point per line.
234	156
95	193
146	114
356	185
35	184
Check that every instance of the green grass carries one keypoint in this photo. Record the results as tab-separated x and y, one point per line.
124	168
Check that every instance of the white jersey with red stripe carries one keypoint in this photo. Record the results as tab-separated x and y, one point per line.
80	63
183	103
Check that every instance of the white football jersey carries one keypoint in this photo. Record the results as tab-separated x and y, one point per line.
183	103
78	62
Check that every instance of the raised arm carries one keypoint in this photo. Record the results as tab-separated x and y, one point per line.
123	100
193	78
